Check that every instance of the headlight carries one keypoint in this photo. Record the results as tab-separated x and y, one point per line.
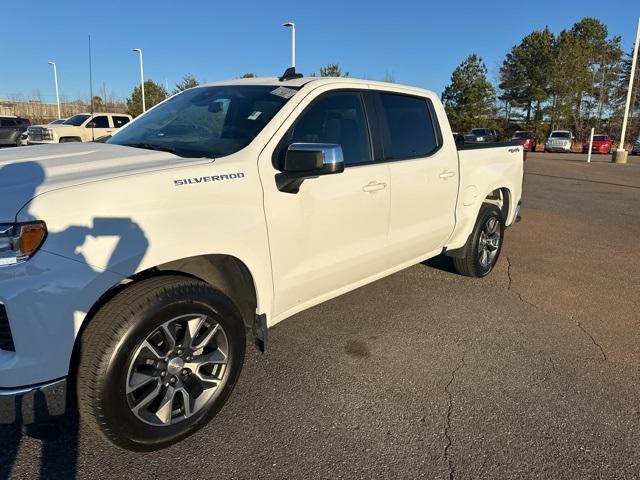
47	134
18	242
481	139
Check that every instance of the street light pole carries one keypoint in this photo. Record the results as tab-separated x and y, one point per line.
292	26
55	78
144	108
620	155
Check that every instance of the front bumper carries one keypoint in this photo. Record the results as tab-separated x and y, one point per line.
40	142
29	404
557	148
46	300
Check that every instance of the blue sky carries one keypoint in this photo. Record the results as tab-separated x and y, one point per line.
417	42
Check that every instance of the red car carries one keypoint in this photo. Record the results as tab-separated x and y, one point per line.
528	139
601	144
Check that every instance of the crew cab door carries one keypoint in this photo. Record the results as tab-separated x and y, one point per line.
98	127
424	176
331	234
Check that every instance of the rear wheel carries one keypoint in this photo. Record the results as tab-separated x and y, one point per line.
69	139
483	245
159	361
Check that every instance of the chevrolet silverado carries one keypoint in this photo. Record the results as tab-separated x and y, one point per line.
134	270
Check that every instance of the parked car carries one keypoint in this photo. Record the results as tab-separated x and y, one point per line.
635	150
11	129
135	267
601	144
476	135
527	138
82	127
559	141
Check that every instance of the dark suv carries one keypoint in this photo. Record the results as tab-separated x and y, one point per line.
478	135
10	130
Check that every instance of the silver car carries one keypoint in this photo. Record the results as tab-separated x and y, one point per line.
635	150
559	141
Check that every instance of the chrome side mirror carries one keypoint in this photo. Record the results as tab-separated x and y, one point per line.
308	160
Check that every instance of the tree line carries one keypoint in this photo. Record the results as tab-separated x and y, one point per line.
575	80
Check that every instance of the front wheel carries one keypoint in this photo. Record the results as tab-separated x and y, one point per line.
484	244
158	361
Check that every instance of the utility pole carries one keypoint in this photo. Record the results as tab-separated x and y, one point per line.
55	78
620	155
144	108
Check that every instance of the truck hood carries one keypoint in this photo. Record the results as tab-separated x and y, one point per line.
26	172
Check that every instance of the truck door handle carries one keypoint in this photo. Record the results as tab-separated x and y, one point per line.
447	174
374	186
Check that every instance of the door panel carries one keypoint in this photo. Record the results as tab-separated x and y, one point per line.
424	177
333	232
327	236
102	127
423	205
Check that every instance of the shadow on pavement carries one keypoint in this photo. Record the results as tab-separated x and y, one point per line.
57	434
31	416
441	262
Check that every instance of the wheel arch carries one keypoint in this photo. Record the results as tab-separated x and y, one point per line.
227	273
500	196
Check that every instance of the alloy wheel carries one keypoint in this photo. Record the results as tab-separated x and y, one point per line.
489	242
177	370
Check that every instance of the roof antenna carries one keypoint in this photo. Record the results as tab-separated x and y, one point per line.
290	74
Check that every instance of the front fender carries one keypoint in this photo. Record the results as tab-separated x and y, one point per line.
127	225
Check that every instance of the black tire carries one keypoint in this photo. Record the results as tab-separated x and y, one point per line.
113	339
470	265
69	139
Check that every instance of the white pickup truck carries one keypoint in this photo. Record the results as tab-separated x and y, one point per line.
133	269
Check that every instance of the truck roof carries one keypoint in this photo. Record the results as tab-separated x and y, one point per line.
302	81
101	113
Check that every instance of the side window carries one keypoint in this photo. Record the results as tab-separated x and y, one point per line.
336	117
8	122
119	121
411	129
99	122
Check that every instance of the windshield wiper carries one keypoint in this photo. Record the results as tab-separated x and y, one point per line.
151	146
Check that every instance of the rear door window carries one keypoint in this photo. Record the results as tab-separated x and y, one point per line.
410	125
119	121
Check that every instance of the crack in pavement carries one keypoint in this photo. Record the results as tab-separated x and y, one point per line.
604	355
509	265
509	273
447	427
516	292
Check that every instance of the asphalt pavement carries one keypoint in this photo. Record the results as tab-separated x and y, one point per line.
532	372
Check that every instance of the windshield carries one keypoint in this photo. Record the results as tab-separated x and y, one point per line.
600	138
206	121
76	120
522	135
480	131
560	135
